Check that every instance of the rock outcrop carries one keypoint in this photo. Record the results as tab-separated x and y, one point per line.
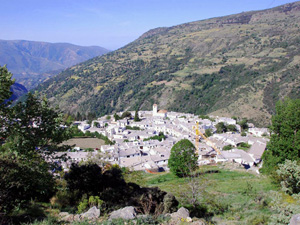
127	213
92	214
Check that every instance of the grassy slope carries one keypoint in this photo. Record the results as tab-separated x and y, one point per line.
235	197
235	65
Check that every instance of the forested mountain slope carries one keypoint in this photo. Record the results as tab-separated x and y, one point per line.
234	65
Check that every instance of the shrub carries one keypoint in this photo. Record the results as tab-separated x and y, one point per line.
221	128
21	181
289	175
95	201
126	114
208	132
85	179
231	127
282	211
82	206
243	134
227	147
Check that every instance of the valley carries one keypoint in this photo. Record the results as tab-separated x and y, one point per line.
189	123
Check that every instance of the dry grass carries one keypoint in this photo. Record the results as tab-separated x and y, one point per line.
85	142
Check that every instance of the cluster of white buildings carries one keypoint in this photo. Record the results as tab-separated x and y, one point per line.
133	151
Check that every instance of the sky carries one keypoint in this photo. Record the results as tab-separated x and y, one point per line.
109	23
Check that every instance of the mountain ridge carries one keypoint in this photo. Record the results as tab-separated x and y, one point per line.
32	62
233	65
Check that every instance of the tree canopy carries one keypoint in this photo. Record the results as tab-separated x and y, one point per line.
5	94
285	135
5	83
183	158
35	128
30	132
221	127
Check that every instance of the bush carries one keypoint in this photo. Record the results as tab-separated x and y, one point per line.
126	114
231	127
83	205
208	132
95	201
289	175
110	187
244	124
85	179
21	181
282	211
221	128
227	147
159	137
132	128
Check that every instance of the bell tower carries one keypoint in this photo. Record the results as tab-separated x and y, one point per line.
154	109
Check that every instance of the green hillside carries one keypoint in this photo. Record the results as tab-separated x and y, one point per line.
234	65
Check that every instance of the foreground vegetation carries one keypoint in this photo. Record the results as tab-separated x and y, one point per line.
223	195
231	196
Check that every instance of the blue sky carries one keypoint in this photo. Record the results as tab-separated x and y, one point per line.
108	23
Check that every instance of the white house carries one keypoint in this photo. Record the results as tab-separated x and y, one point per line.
84	126
259	131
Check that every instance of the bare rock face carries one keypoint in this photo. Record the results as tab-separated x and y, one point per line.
295	220
127	213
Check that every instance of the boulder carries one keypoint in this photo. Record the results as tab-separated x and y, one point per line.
64	216
295	220
181	213
189	219
127	213
92	213
198	222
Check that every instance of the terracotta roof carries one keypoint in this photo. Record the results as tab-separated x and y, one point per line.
162	111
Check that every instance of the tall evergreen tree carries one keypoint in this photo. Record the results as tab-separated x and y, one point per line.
136	117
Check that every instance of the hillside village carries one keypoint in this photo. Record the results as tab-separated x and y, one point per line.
135	149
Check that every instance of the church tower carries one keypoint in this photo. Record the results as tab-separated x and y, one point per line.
154	109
